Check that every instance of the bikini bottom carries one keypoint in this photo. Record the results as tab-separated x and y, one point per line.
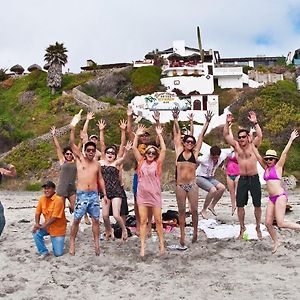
274	198
187	187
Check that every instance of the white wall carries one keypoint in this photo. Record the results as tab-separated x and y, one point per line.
230	82
203	84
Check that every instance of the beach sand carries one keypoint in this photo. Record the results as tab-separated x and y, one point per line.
209	269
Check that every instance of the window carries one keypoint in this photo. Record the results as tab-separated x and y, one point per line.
197	105
204	102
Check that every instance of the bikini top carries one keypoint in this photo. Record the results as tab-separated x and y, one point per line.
272	174
181	158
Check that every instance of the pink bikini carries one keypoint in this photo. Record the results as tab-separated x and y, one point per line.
273	176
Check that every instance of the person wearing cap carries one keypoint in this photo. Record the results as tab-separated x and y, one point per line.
277	195
249	179
52	207
5	170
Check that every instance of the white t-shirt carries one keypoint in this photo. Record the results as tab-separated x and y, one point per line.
206	167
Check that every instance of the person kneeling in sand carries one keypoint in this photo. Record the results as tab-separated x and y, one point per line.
89	176
53	209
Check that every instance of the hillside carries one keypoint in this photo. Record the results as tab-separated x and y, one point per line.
28	110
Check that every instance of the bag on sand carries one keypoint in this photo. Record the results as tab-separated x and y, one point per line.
171	217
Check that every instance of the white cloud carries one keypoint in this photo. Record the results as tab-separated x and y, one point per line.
121	31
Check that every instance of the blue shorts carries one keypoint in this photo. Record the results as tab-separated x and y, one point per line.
135	184
206	183
87	201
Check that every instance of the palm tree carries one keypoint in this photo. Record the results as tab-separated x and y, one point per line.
56	57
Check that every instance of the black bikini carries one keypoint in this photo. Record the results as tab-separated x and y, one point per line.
181	158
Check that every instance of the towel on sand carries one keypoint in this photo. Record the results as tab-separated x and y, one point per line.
213	229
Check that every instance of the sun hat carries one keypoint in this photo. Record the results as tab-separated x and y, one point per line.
271	154
94	136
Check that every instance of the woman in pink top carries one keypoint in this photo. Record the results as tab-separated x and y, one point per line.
149	191
232	177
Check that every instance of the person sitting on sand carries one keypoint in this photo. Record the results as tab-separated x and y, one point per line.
249	180
187	150
6	170
205	178
277	195
149	190
52	207
89	177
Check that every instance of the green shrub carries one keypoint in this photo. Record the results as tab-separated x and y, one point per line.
109	100
146	80
33	186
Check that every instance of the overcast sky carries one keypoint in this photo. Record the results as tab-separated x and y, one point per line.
110	31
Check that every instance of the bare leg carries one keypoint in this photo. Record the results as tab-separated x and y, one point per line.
137	217
280	205
105	216
72	200
116	204
257	213
193	200
181	201
241	216
159	229
208	199
217	196
143	212
96	230
149	224
232	187
270	212
73	234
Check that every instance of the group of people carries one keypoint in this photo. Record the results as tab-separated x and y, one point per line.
92	170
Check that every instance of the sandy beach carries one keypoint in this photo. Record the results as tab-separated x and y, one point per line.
209	269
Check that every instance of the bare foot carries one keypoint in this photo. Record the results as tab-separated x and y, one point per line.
72	248
195	237
182	243
97	250
240	237
203	214
124	235
259	235
212	210
162	249
275	247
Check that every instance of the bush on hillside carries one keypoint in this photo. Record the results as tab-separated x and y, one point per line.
146	80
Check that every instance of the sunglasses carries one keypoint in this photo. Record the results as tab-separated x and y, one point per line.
242	137
269	159
68	153
190	142
151	152
90	150
110	152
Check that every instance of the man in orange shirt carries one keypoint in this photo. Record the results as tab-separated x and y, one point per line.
53	210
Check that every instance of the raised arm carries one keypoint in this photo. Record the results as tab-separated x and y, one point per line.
101	125
208	117
9	171
191	120
129	123
122	126
176	129
140	130
163	148
256	153
226	132
286	149
74	148
89	116
120	160
156	117
59	152
253	119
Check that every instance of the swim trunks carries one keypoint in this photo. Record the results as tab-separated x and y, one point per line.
87	201
246	184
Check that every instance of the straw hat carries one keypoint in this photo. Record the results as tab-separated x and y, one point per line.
271	154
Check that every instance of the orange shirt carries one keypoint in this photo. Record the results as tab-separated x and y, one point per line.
53	208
